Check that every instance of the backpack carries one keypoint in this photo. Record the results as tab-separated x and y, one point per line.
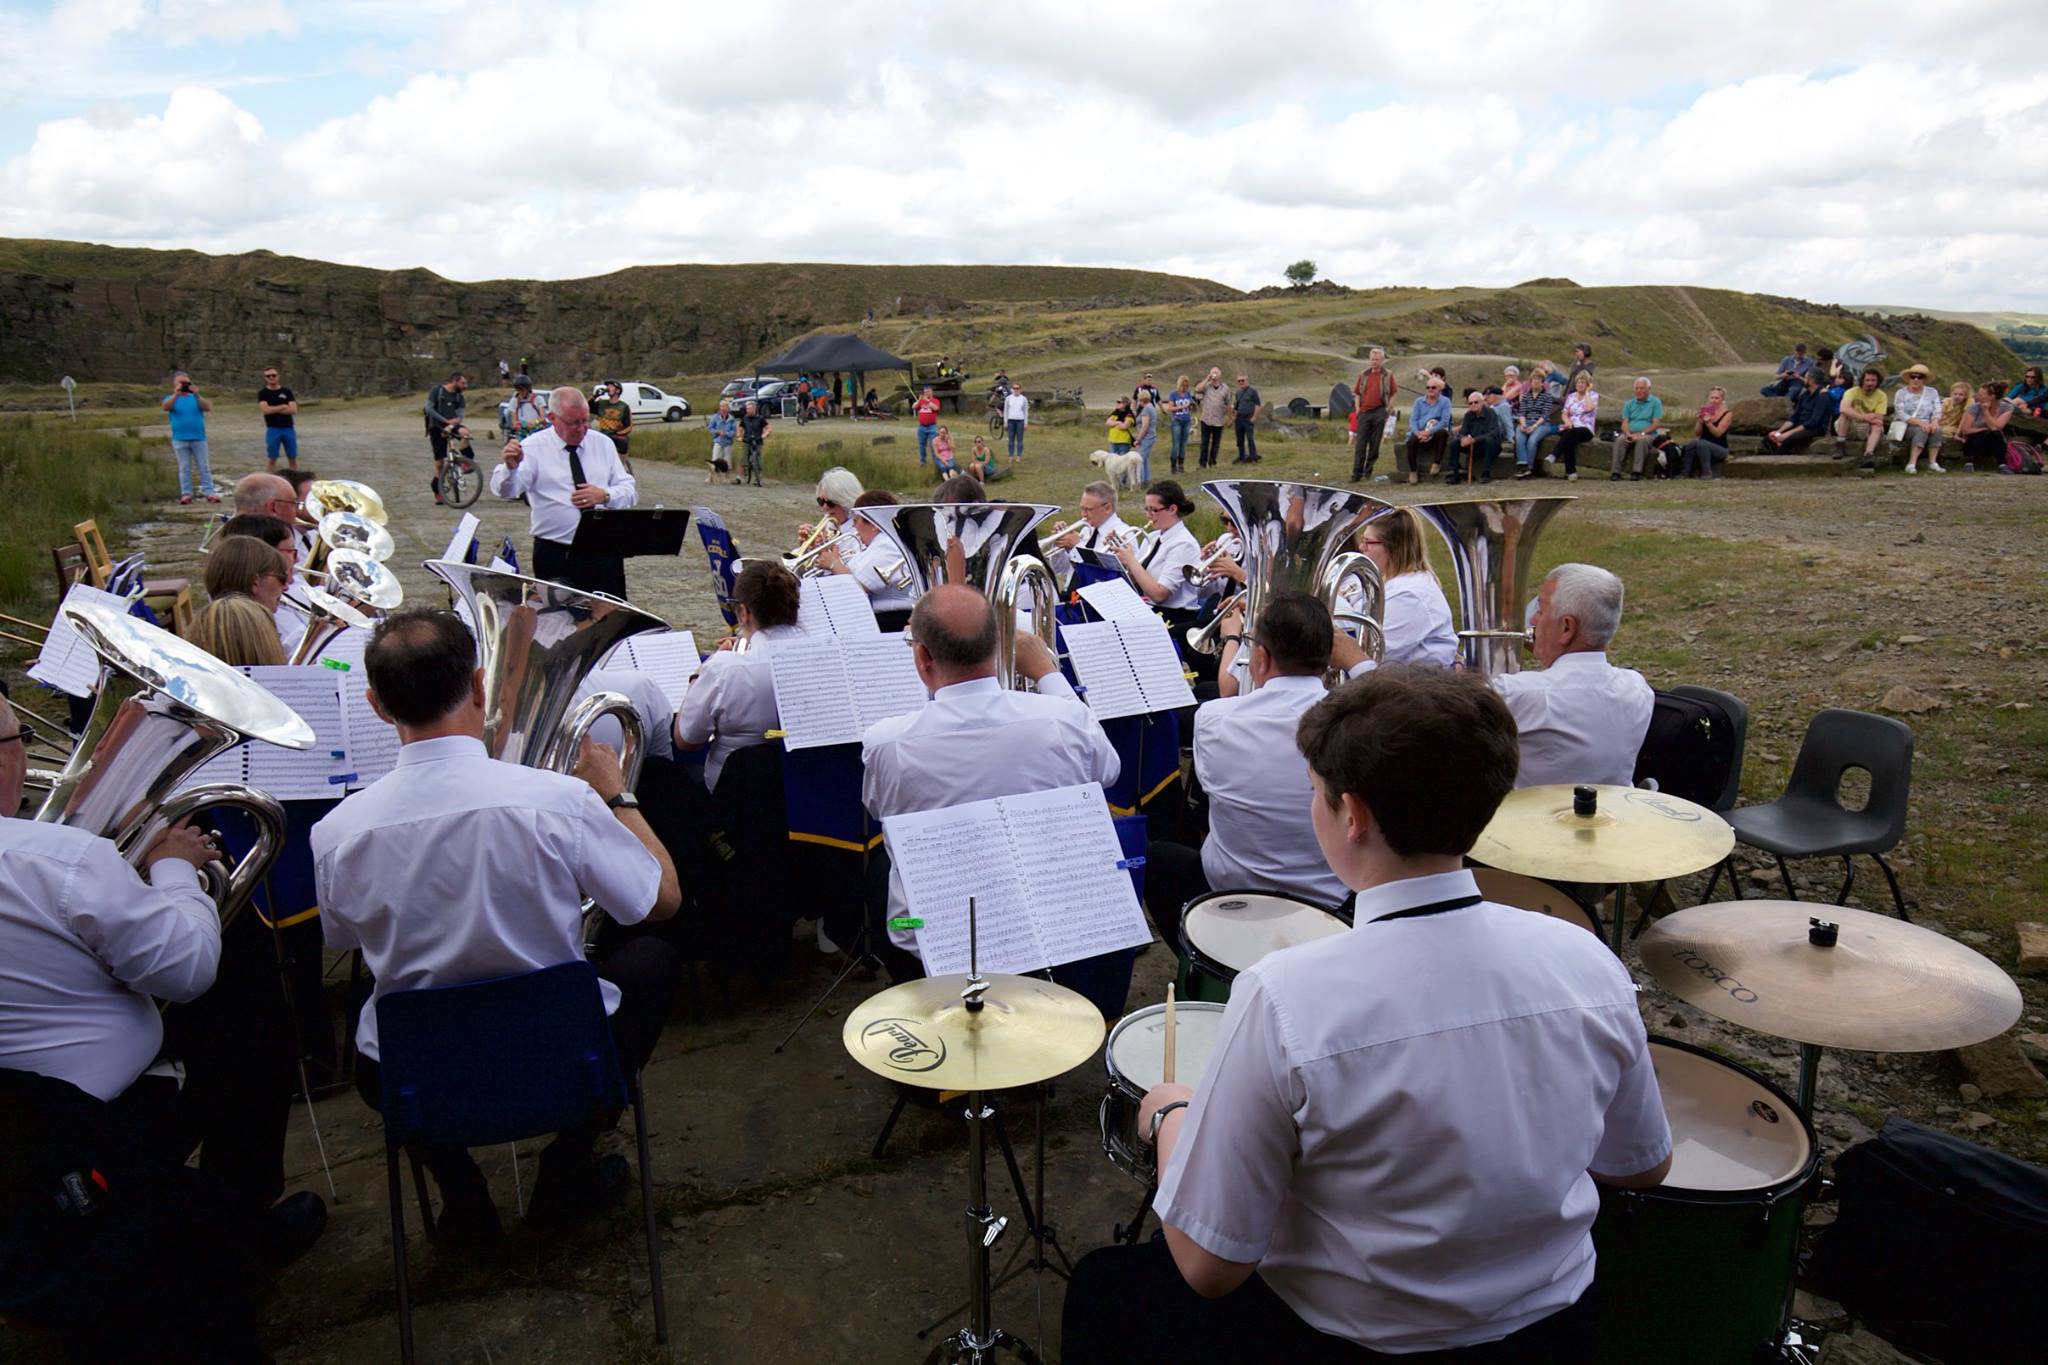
1688	748
2021	458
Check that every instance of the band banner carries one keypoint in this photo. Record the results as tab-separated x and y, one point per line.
721	552
1148	748
821	790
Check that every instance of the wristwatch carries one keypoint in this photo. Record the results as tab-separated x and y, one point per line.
1159	1117
623	801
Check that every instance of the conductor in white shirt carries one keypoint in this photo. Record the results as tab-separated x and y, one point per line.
563	472
1397	1142
974	740
1260	837
1581	718
456	867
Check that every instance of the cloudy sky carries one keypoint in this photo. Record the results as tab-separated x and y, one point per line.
1875	153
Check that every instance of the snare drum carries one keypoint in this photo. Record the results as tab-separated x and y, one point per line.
1225	932
1135	1058
1526	893
1698	1271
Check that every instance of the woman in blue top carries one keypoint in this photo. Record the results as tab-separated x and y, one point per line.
724	429
2030	393
188	437
1181	403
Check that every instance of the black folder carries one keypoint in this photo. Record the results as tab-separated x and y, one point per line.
631	532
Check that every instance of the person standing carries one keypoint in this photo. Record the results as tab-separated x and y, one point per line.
444	408
1145	431
1373	397
755	426
1245	407
188	438
1582	364
1016	417
1213	397
1145	387
279	406
927	422
613	416
724	429
1182	404
563	472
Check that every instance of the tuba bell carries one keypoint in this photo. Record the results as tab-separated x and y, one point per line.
355	591
1296	537
975	543
165	707
1493	549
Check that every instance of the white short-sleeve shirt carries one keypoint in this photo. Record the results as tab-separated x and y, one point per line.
1164	554
1581	720
732	703
1396	1123
1260	837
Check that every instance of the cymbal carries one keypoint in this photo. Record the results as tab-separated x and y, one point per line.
922	1033
1632	836
1885	985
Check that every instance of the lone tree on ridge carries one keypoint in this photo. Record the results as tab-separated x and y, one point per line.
1301	274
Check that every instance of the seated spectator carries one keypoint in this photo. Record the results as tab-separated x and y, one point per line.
1536	418
1510	383
1813	414
1478	442
1952	409
982	462
1864	414
942	454
1791	371
1429	431
1710	436
1919	407
1641	430
1581	411
1983	427
2030	393
1503	406
1830	368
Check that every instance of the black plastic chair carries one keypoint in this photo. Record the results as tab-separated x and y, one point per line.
1810	821
1731	791
498	1061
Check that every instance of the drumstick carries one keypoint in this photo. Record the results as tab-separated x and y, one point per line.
1166	1072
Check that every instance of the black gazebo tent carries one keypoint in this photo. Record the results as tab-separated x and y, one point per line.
843	352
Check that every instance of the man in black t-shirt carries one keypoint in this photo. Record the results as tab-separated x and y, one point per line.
753	429
279	405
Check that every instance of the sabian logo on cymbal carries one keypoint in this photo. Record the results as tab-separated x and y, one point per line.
1663	806
906	1051
1699	965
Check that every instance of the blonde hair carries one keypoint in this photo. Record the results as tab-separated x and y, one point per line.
1183	382
237	630
236	563
1402	532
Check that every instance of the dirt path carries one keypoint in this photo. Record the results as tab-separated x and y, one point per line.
1724	353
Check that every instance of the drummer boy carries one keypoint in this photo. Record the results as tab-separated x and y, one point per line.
1395	1144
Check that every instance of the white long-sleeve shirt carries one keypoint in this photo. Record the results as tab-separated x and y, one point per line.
543	477
1581	720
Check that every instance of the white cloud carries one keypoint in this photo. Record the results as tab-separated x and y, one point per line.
1396	143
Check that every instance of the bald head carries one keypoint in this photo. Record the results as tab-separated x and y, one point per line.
264	493
955	633
13	760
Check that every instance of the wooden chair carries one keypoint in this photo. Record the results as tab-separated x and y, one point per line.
167	597
71	565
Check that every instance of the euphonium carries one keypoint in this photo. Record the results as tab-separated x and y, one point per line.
1294	537
975	543
1493	549
324	498
165	707
357	591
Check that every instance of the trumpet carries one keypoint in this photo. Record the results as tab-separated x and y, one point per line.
1208	639
1196	572
813	542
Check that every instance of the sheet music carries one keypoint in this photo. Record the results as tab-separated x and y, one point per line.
372	742
812	694
1115	600
882	676
67	662
667	657
1109	685
293	774
465	535
835	604
1044	871
1161	674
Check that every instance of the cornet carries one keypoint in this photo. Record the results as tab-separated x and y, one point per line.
815	540
1196	572
1209	639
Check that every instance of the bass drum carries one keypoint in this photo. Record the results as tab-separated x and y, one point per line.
1135	1057
1698	1271
1527	893
1225	932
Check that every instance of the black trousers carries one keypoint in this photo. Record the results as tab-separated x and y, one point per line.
1212	444
1129	1303
644	969
1568	442
1247	440
1365	447
557	563
1173	877
1483	451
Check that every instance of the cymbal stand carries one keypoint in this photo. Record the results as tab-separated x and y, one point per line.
978	1342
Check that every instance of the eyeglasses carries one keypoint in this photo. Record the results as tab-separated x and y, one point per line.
1152	511
21	735
826	502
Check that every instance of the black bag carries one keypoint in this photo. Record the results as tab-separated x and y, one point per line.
1688	748
1939	1243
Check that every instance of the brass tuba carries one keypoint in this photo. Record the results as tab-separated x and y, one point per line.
975	543
1297	537
165	707
1493	550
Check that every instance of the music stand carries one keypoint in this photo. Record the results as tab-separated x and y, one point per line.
631	532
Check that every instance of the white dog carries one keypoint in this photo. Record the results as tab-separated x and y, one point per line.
1121	470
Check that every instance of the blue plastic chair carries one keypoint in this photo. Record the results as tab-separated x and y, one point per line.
493	1062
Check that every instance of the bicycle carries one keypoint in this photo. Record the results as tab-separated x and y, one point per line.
461	481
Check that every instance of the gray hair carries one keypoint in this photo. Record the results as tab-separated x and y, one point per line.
1515	370
1589	594
1105	491
1642	379
567	396
1379	351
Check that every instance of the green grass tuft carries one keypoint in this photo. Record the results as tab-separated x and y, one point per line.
53	476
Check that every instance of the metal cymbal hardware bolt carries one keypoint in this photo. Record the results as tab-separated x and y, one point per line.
1585	801
1822	933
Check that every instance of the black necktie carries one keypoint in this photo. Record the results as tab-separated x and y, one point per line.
575	468
1093	532
1156	543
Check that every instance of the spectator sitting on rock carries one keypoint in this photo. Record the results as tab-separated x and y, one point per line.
1863	415
1641	431
1983	428
1791	372
1952	409
2030	393
1710	436
1478	442
1536	418
1582	363
1503	405
1919	407
1429	430
1812	414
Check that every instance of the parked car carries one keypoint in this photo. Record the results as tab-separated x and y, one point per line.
647	401
540	396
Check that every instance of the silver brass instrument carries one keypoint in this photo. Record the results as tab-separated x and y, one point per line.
1297	537
979	540
353	591
353	531
822	535
1493	549
165	707
325	497
1209	639
1196	572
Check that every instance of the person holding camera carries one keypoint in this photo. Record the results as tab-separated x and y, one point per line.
188	438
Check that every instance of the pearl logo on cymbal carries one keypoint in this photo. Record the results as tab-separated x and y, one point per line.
906	1051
